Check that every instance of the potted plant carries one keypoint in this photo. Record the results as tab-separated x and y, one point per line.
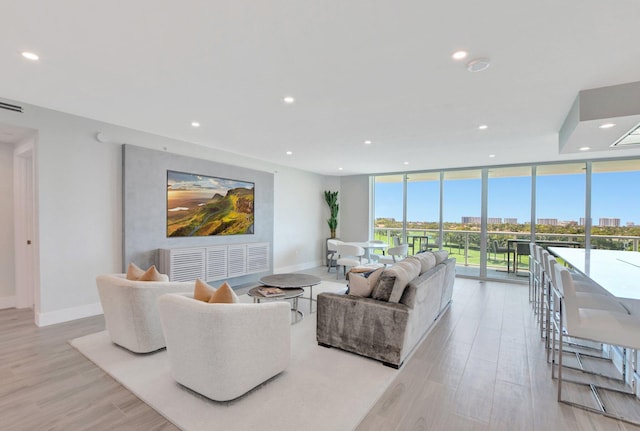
332	200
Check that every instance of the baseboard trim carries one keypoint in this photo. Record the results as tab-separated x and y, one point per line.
8	302
67	314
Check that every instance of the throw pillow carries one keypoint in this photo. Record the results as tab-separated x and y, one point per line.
202	291
427	261
404	272
441	256
382	290
134	272
224	295
151	274
363	285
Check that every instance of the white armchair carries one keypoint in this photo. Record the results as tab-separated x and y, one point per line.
130	310
223	351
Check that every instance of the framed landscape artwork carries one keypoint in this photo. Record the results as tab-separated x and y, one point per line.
200	205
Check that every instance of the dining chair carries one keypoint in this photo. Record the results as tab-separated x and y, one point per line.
332	253
394	254
349	255
374	255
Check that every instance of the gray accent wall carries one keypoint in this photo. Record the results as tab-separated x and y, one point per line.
145	205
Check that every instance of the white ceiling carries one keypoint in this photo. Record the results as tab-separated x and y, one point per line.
375	69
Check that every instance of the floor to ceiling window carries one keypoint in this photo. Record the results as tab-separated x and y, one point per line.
423	211
615	205
483	216
508	219
462	209
388	208
560	203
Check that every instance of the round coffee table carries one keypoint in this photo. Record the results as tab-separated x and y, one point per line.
292	281
292	294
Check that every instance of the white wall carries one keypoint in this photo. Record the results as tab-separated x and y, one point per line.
300	214
80	206
7	261
354	208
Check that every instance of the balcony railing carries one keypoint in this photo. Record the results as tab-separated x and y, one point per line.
465	244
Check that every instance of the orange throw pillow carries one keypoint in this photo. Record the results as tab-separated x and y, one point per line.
224	295
151	274
134	272
202	291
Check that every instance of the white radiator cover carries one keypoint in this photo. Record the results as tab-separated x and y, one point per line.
215	262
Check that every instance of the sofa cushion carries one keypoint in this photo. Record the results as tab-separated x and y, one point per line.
134	272
441	256
362	285
152	274
427	261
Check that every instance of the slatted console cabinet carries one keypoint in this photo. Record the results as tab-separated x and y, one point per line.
216	262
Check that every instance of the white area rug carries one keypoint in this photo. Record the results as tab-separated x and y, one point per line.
323	389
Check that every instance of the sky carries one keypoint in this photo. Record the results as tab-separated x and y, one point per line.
614	194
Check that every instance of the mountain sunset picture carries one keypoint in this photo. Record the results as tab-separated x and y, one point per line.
200	205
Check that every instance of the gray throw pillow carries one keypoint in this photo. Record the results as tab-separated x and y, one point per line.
382	290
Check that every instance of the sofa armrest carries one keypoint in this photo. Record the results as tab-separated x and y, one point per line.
366	326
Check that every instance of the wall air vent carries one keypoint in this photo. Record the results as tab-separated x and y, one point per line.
632	137
10	107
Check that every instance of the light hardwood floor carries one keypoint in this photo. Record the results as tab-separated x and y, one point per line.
482	367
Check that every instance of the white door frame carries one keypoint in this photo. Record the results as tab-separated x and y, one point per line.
27	268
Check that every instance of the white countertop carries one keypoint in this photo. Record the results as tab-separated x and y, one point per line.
616	271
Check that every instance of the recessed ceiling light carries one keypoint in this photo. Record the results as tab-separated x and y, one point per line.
195	124
30	56
459	55
585	148
607	125
367	142
478	65
289	153
483	127
289	100
406	163
339	169
492	155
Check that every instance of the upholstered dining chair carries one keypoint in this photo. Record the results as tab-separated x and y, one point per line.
332	253
394	254
349	255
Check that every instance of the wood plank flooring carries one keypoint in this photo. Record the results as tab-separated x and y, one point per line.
482	367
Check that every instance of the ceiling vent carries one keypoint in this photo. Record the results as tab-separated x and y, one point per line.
10	107
632	137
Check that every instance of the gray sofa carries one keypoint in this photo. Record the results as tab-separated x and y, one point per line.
389	324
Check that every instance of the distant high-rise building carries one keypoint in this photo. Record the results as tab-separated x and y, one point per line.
630	223
583	221
548	221
470	220
511	220
494	220
609	222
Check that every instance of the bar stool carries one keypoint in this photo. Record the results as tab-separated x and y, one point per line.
602	326
584	299
534	279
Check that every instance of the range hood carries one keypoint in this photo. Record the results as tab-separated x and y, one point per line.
618	105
